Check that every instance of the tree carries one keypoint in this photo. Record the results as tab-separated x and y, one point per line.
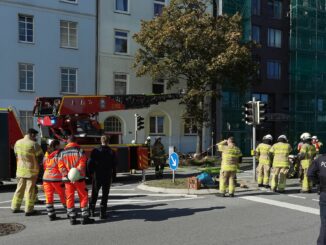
187	43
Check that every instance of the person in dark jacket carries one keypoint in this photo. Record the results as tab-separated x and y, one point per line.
318	170
102	167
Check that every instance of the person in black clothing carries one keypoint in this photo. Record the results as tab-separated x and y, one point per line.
102	167
317	170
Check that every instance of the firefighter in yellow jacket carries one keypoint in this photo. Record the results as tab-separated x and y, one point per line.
306	156
231	157
29	154
265	160
280	152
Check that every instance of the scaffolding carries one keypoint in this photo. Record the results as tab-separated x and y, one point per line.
308	68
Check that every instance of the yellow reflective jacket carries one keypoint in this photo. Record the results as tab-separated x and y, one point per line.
263	154
308	152
27	153
230	156
281	152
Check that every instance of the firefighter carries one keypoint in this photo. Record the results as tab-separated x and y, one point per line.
316	143
52	178
29	154
280	152
306	155
264	158
317	172
102	167
158	154
231	157
74	157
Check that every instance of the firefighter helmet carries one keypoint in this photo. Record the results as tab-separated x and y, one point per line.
314	137
74	175
282	137
305	136
268	137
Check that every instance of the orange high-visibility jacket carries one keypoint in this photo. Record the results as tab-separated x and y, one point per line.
72	157
50	166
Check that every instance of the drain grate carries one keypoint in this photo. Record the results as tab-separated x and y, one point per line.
10	228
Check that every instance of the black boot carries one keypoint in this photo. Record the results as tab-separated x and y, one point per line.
73	221
92	210
52	217
86	220
103	214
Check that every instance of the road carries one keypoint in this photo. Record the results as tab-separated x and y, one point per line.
138	217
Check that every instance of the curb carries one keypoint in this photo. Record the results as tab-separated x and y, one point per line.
187	191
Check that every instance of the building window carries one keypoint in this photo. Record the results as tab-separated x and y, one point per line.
122	5
26	27
274	38
190	127
255	7
25	120
261	97
156	125
274	70
120	83
275	8
121	42
158	7
68	34
26	77
68	80
256	34
112	125
158	86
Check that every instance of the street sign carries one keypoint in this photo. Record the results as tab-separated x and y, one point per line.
174	161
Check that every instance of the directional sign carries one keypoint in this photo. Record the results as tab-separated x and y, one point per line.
174	161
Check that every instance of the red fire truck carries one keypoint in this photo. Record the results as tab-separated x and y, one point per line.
10	132
59	117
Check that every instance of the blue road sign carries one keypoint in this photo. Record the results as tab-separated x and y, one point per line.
174	161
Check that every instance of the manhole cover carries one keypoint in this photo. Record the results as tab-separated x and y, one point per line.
10	228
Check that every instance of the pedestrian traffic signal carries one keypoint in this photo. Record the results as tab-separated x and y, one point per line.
261	112
249	113
140	123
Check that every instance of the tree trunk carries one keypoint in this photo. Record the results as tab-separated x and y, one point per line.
199	144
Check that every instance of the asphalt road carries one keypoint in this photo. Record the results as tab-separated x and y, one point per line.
138	217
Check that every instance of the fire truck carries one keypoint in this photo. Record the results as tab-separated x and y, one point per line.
10	132
59	117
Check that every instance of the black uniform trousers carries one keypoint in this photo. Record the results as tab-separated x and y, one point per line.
97	184
322	235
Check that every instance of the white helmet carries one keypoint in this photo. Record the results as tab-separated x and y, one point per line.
305	136
314	137
282	137
74	175
148	138
268	137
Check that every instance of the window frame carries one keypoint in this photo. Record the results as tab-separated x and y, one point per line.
273	73
156	82
259	34
76	81
271	4
156	125
70	2
122	11
271	43
158	2
122	38
28	124
117	125
69	46
120	80
19	78
258	8
25	28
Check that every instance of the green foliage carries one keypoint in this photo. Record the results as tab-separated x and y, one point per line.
187	43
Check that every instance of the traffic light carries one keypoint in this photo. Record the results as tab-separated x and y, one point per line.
261	112
249	113
140	123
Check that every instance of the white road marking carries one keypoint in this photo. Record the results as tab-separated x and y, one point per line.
116	189
297	196
315	200
287	205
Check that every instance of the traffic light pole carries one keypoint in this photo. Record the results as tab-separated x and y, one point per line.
136	115
254	144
